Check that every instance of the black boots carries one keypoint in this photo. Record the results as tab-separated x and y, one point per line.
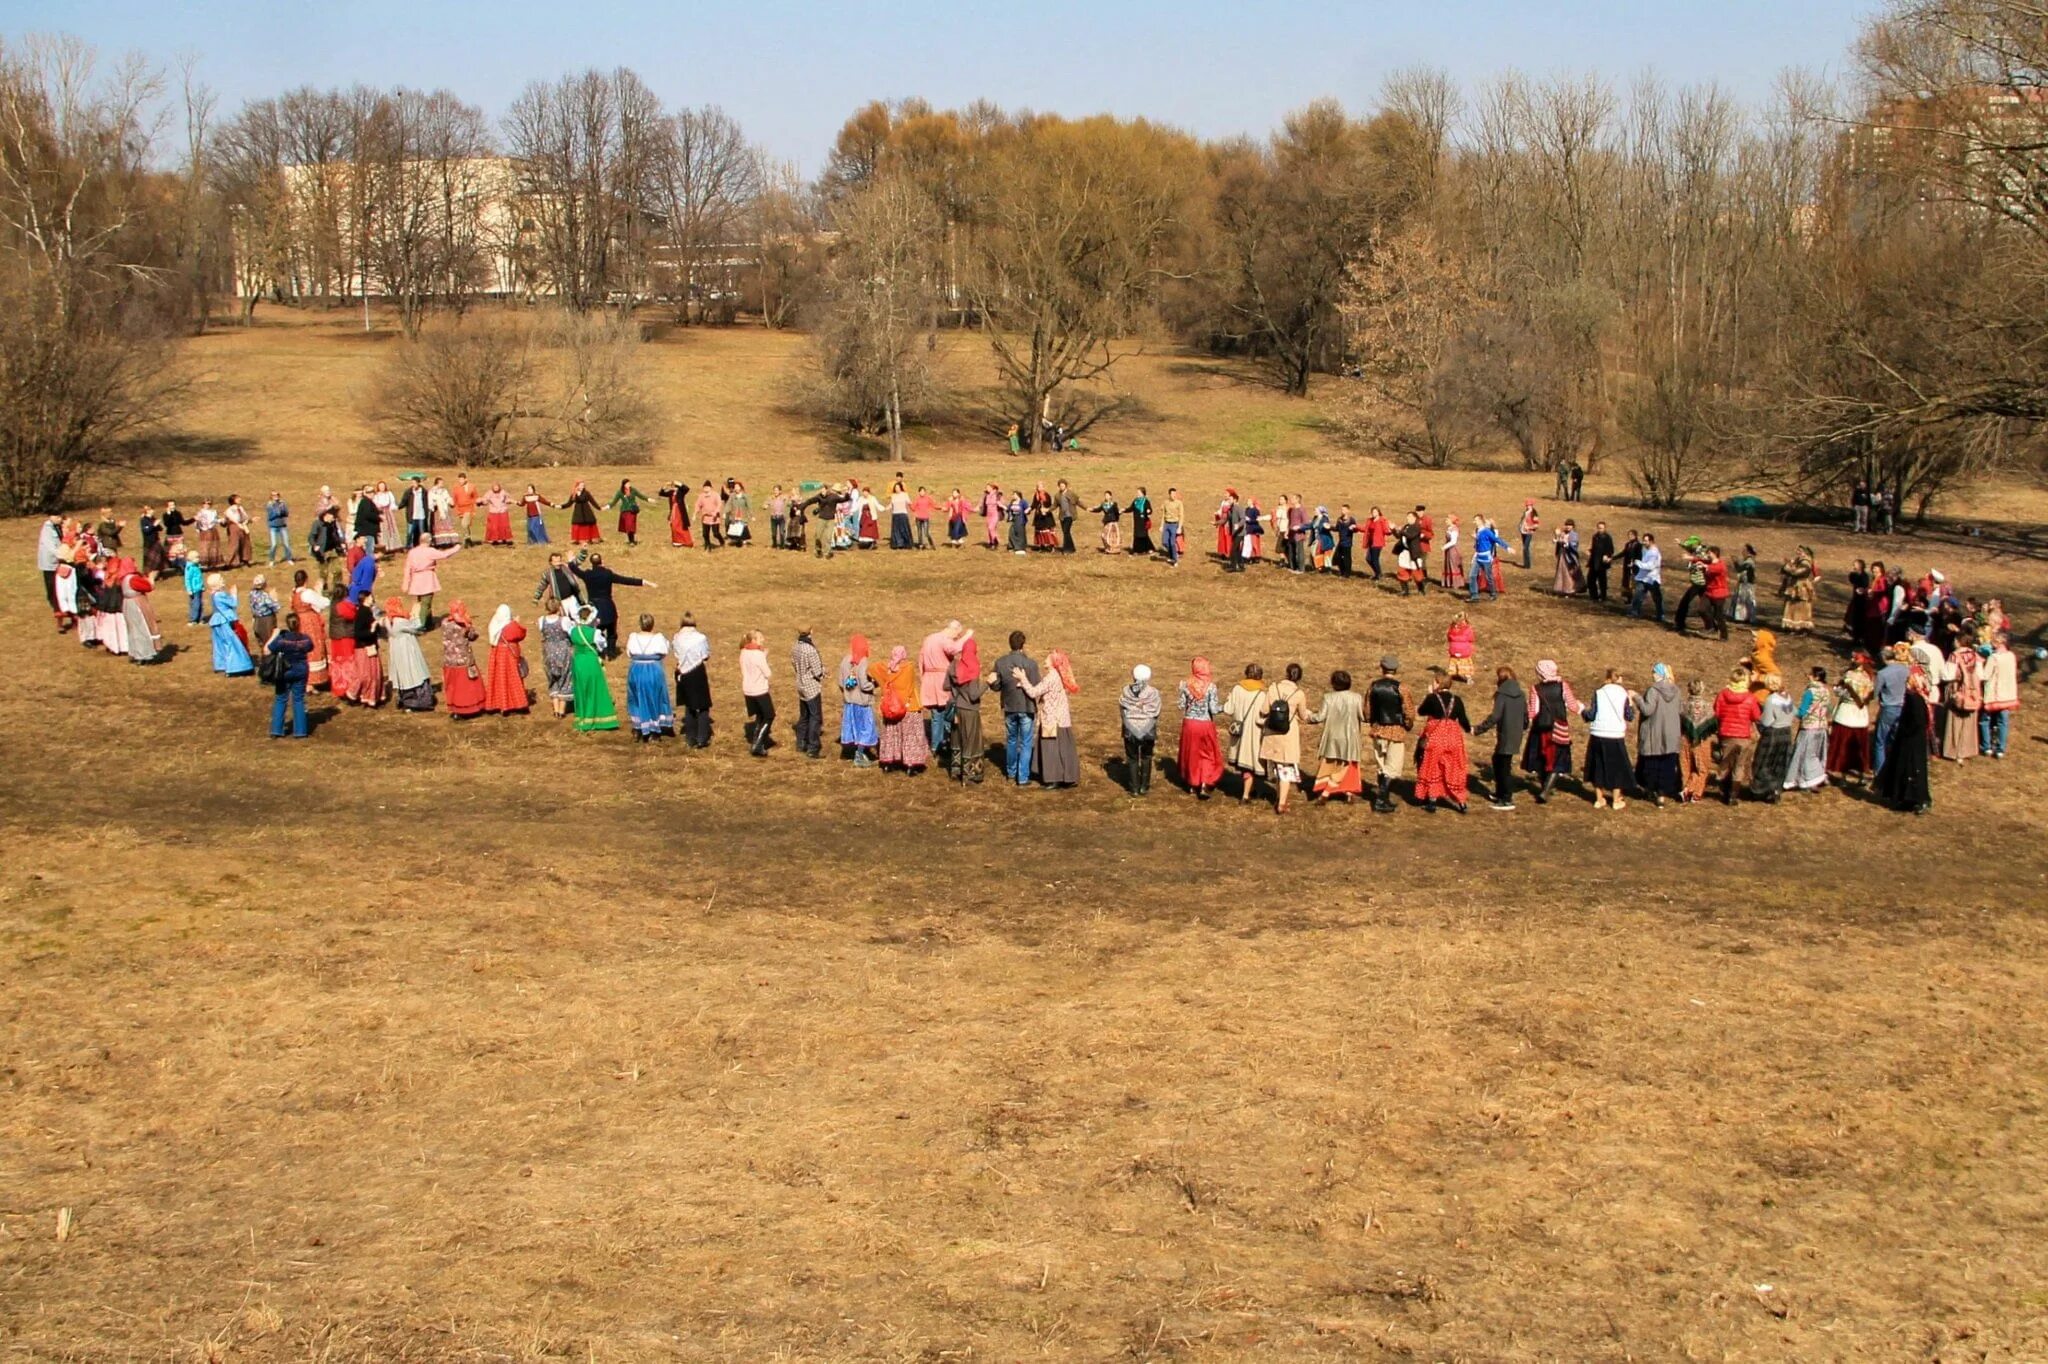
1383	798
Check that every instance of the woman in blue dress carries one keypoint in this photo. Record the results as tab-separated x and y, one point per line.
648	704
858	735
230	655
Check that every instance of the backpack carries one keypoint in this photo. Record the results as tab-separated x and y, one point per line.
1279	717
893	708
270	669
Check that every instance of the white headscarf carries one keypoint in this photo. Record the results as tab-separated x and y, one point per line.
500	618
1141	674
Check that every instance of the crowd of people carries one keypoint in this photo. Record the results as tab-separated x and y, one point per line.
1932	675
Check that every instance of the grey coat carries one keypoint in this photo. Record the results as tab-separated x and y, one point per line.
1342	716
1660	709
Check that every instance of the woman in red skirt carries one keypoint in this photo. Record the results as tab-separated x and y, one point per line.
1201	755
627	501
462	684
582	516
497	515
504	683
1440	773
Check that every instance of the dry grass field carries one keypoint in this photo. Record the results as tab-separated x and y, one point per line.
435	1042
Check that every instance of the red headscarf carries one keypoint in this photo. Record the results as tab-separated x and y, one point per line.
395	606
1200	678
347	610
459	613
1065	668
967	666
857	648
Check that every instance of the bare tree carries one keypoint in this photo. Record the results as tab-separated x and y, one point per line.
422	153
1410	306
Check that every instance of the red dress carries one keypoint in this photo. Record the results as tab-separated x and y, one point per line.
460	687
504	689
1441	773
678	523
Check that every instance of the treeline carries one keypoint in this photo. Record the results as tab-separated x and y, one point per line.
1702	294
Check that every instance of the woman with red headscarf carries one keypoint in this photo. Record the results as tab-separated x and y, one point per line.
964	693
505	680
412	685
1059	761
858	737
462	684
1201	754
904	744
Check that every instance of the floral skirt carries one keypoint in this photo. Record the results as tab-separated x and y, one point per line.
904	743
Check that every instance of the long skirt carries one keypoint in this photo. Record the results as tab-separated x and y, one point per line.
1607	766
1454	567
1341	779
629	523
1223	541
1772	761
678	529
1141	535
1809	770
1798	615
594	708
1657	774
498	528
857	727
647	700
1440	772
1958	733
580	534
209	548
230	655
1201	754
463	693
504	689
904	743
1849	750
1696	763
365	679
143	638
1542	755
112	627
1059	762
420	698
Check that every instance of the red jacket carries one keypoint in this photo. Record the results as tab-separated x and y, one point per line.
1717	580
1736	713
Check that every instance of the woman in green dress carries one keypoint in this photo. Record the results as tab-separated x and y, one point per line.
593	696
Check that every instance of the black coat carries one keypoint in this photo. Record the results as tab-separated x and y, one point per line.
1509	719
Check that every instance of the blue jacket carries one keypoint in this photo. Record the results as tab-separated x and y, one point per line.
276	514
195	576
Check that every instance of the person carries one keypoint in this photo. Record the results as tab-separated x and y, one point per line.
1890	693
110	621
1599	562
423	577
277	517
1548	750
859	737
1631	555
1486	552
1340	751
49	554
415	511
1696	729
1244	706
361	682
463	500
677	495
992	516
1508	720
899	517
1199	758
1795	586
963	700
1736	712
1578	488
1141	523
626	501
441	515
364	525
598	582
558	656
195	590
921	504
1743	610
1280	721
412	686
1173	515
1459	643
1378	530
1245	532
1454	556
935	658
1530	524
1390	716
505	672
291	647
755	693
1661	712
1607	765
1696	559
1069	508
1110	539
593	695
904	743
328	548
230	654
362	572
533	505
2000	696
263	610
807	666
1563	491
583	509
1849	726
312	606
778	518
145	637
710	516
1044	532
1139	705
1859	508
956	520
691	656
1649	578
1808	769
1902	776
1411	560
1440	765
461	680
1020	708
1058	759
239	552
558	584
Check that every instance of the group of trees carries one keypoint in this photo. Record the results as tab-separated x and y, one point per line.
1841	285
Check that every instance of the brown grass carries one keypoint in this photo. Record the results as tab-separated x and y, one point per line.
434	1042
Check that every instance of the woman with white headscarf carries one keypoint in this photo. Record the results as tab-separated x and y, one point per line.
1139	703
505	675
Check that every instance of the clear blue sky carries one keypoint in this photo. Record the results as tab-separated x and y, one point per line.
792	72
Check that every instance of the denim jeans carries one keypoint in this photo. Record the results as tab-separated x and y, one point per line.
1993	728
938	722
196	598
1018	732
281	539
1881	736
1643	592
292	695
1169	536
1528	544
